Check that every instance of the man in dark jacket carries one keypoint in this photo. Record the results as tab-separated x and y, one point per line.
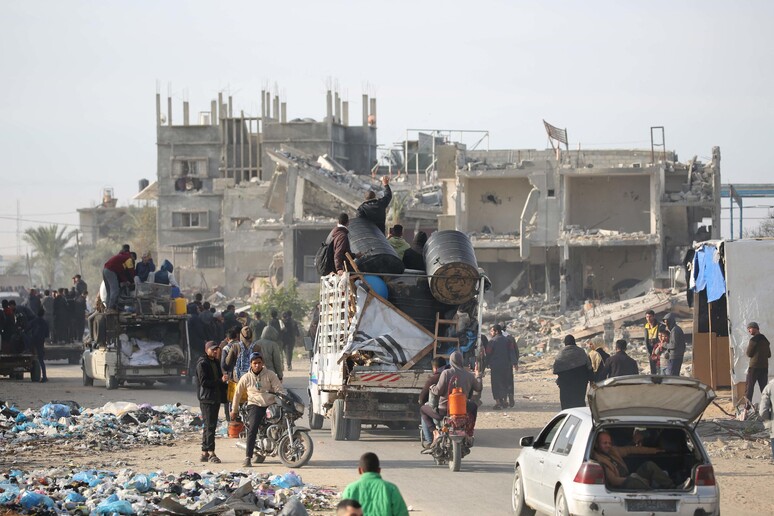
375	209
339	238
414	257
759	351
36	334
212	392
620	364
117	270
80	286
439	366
676	347
502	355
288	336
572	368
274	322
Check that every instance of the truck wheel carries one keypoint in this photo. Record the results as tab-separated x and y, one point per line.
35	371
72	360
338	423
353	429
87	380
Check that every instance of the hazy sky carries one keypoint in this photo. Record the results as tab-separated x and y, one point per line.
79	78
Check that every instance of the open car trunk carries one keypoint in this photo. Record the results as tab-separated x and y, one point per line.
680	456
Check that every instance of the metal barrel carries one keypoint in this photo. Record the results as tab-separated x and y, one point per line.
377	255
451	263
411	294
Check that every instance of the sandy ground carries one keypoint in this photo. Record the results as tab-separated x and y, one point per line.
742	466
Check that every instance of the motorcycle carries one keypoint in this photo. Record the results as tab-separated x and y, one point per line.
278	434
453	442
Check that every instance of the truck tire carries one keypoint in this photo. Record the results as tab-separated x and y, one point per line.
353	429
35	371
88	381
315	420
338	423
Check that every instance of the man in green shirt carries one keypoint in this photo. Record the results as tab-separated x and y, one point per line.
378	497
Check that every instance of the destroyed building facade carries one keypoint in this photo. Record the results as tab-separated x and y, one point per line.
216	182
588	225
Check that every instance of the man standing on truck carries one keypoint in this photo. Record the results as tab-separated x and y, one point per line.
759	351
258	382
117	270
212	391
375	209
339	239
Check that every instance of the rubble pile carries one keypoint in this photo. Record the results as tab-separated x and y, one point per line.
116	426
699	186
538	325
67	490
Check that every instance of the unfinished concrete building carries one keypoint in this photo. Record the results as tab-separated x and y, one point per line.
591	225
215	180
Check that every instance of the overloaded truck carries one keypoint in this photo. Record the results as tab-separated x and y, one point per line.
379	331
144	343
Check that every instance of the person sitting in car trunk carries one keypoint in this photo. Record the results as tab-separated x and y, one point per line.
647	476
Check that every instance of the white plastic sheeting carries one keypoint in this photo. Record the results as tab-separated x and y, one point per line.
385	331
750	295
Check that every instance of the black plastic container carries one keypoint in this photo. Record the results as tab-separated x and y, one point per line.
451	261
411	295
377	255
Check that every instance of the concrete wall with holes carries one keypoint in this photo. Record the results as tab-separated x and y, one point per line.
495	204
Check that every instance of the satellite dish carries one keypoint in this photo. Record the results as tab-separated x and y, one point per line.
163	119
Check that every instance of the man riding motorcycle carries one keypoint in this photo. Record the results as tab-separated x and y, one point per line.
455	376
258	382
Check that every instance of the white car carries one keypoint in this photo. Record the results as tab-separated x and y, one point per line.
556	474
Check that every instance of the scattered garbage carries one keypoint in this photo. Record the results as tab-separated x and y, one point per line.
66	490
117	425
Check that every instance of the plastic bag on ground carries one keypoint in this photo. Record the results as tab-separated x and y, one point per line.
289	479
54	411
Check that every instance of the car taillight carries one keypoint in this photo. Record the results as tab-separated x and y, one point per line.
705	476
590	473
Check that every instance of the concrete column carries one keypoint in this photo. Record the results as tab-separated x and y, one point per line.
337	104
365	110
263	103
186	121
716	186
158	109
288	232
213	113
328	106
373	110
220	105
268	104
276	108
345	113
230	106
169	111
284	112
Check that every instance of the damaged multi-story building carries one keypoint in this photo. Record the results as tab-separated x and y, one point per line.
217	188
581	225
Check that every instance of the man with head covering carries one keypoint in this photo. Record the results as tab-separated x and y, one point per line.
414	257
270	347
502	357
573	369
258	382
212	389
455	376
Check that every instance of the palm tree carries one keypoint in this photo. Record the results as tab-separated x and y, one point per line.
49	244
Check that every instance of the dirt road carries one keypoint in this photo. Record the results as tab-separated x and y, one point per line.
742	467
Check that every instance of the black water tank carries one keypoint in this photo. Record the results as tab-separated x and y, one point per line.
144	184
377	253
451	261
410	293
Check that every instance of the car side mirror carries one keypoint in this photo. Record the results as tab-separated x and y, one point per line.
526	442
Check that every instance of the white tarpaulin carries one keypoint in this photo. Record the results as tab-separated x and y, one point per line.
380	328
750	297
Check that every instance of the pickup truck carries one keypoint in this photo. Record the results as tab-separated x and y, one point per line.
133	348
